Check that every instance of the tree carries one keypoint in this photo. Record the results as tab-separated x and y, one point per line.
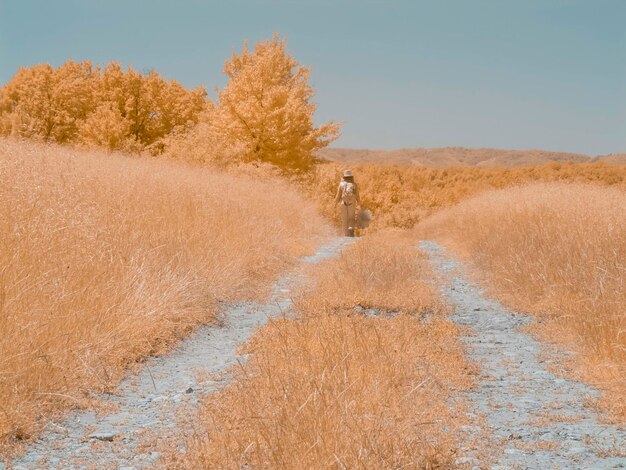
105	127
266	109
29	94
150	107
50	103
78	102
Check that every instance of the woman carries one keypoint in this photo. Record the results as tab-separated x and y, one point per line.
348	197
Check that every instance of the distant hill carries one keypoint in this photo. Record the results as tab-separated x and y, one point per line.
612	158
459	156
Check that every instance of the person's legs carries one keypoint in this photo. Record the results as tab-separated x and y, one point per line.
344	220
351	220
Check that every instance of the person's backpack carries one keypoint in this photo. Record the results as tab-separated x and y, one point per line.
348	196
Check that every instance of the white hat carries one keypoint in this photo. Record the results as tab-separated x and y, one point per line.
347	173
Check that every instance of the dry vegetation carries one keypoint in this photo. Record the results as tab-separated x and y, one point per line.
401	196
106	107
335	388
559	251
263	114
105	259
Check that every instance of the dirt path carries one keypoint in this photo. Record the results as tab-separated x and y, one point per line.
537	417
156	395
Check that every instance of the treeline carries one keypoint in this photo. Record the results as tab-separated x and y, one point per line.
264	113
97	107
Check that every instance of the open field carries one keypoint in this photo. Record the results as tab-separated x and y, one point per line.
401	196
558	251
359	379
371	372
174	292
106	259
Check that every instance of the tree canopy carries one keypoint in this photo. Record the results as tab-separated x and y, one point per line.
263	114
266	111
110	107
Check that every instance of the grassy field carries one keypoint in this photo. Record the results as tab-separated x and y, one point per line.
336	388
402	196
558	251
105	259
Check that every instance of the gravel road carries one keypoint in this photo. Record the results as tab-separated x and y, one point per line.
537	419
148	403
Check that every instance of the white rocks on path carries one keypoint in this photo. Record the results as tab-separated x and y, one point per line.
538	418
150	400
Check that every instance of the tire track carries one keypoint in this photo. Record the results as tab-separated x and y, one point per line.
538	419
148	402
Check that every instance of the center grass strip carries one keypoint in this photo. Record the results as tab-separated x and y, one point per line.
336	388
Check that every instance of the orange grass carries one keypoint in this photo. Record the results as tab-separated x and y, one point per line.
106	259
402	196
334	389
559	251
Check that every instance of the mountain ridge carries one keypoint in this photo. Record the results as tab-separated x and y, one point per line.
440	157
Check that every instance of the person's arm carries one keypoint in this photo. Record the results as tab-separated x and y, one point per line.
357	194
338	196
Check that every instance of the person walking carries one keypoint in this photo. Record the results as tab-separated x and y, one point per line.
348	197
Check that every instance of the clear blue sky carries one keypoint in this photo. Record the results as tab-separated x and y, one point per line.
548	74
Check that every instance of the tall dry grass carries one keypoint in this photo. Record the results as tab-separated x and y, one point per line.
402	196
106	259
559	251
336	389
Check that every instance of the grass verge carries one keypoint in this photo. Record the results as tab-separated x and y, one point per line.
106	259
558	251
